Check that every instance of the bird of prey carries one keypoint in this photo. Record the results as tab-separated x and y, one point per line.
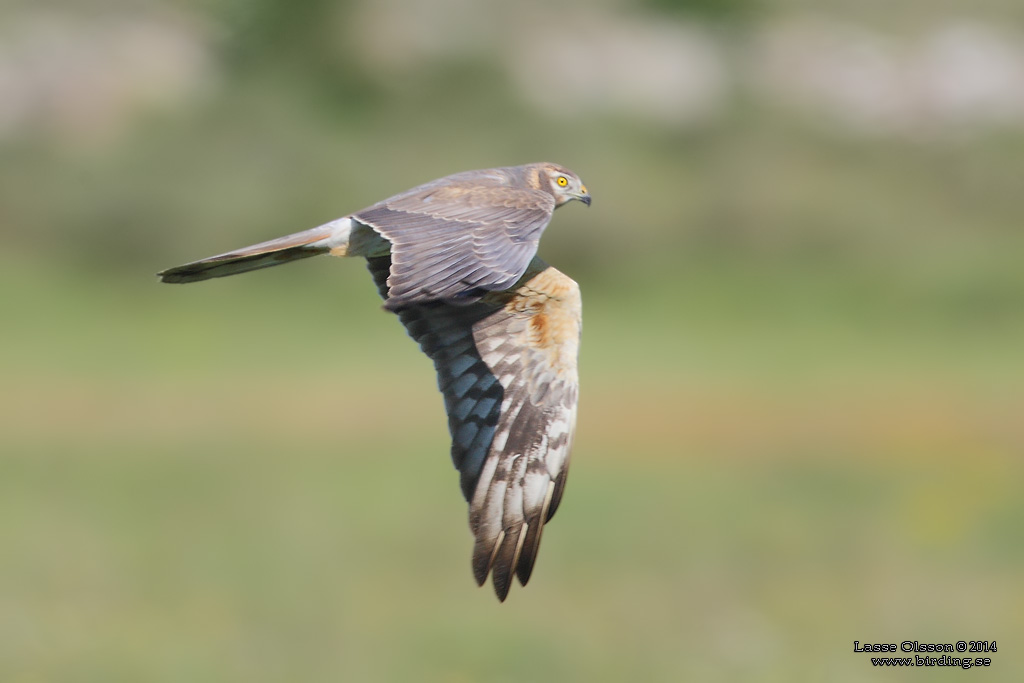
456	260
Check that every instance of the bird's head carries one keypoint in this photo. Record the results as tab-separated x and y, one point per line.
562	183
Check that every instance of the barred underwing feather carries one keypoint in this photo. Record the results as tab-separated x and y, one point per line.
506	366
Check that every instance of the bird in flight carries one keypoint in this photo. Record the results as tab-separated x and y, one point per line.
456	260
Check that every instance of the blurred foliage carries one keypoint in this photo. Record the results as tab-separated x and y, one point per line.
728	10
280	36
801	388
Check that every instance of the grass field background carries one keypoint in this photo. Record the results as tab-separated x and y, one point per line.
801	419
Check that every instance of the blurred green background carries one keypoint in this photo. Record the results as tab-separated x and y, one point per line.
802	413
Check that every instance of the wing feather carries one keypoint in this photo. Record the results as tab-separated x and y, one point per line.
506	366
480	229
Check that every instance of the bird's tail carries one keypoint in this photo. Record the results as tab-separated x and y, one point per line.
319	240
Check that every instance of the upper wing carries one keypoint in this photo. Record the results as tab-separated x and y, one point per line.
457	238
507	368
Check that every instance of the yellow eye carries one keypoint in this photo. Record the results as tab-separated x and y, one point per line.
562	181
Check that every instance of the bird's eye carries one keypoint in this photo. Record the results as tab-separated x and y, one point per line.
562	181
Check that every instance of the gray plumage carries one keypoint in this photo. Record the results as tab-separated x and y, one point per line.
456	260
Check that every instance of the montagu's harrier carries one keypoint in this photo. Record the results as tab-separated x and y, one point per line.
456	260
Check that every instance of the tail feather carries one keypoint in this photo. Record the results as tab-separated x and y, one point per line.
319	240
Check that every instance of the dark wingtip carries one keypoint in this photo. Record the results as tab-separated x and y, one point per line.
524	571
501	588
482	567
480	572
528	557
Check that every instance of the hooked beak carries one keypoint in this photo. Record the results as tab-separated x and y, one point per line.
584	196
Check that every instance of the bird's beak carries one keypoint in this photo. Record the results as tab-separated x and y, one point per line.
584	196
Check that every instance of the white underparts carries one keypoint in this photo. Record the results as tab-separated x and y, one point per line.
349	237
